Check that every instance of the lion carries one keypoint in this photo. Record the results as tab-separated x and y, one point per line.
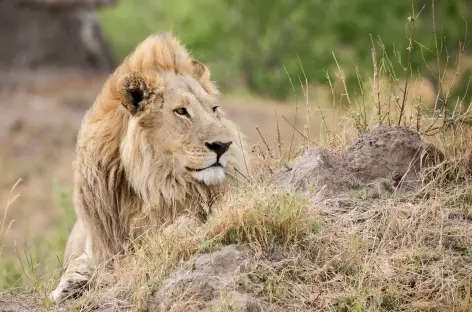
155	145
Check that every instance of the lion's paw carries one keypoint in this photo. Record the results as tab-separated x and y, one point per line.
67	289
57	295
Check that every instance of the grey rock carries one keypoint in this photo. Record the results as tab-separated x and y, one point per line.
207	284
387	156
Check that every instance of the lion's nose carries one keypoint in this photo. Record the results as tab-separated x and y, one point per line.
218	147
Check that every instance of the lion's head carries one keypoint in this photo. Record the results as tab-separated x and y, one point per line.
155	137
175	127
178	125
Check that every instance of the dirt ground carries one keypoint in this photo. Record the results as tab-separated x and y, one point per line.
41	113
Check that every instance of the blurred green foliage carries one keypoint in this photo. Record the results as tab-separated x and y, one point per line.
260	44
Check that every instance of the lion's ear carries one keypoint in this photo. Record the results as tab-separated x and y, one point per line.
200	71
136	90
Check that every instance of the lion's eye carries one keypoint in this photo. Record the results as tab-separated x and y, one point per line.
182	111
215	108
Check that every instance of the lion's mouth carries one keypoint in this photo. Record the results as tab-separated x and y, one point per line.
217	164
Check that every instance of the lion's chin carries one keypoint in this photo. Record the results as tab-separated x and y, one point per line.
210	176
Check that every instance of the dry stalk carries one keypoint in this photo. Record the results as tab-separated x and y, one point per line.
264	140
342	76
244	156
279	139
295	129
375	83
11	199
296	114
331	86
410	34
304	86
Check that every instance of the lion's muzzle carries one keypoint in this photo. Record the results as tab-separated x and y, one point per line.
213	173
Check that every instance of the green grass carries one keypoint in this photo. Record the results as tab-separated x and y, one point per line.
25	268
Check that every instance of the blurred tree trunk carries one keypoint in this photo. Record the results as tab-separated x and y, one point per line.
38	35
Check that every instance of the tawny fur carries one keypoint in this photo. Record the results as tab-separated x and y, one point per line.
130	172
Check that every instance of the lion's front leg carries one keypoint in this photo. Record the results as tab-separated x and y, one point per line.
78	264
74	280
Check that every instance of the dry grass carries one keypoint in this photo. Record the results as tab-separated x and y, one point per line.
255	215
408	253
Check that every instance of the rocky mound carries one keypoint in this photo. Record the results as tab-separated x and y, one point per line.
205	283
380	160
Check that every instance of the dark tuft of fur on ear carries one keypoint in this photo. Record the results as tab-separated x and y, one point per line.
137	90
137	95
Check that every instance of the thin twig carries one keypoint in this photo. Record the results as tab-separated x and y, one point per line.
331	86
418	116
11	199
307	106
376	83
242	150
262	154
342	75
236	169
295	128
296	114
410	33
439	84
279	139
263	140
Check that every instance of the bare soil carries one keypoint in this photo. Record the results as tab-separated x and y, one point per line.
9	303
